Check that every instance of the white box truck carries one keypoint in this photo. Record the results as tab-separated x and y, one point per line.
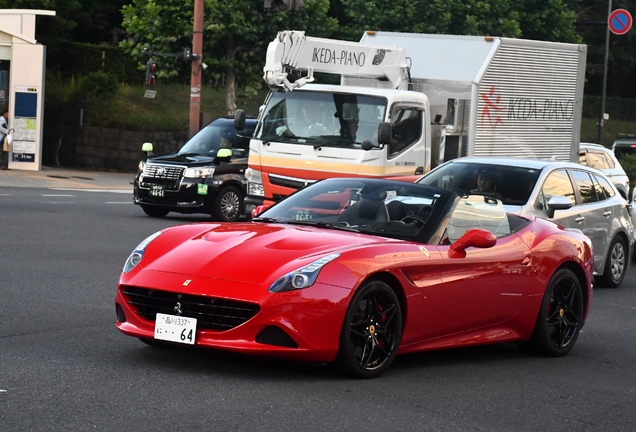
407	102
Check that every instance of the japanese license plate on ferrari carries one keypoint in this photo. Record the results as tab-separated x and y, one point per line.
175	328
157	190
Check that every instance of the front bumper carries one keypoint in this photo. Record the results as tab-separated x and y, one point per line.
187	196
311	317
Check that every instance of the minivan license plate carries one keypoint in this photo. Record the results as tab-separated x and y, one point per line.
157	191
175	328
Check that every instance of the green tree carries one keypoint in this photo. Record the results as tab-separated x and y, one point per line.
235	39
549	20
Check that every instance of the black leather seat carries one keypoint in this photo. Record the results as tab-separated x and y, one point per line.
365	212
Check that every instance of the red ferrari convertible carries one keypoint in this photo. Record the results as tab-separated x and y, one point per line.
356	271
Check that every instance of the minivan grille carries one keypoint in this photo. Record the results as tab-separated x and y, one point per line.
167	175
211	313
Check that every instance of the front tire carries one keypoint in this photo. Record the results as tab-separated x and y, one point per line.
228	205
157	212
615	264
371	332
560	317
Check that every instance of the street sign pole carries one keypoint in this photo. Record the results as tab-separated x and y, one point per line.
618	22
197	60
601	119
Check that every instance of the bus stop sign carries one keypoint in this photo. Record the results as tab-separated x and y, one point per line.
619	21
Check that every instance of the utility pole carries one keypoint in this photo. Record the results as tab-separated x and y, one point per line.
601	120
197	60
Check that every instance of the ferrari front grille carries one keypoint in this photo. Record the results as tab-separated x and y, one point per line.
211	313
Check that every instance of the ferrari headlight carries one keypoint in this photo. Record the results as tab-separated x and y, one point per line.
199	172
303	277
137	255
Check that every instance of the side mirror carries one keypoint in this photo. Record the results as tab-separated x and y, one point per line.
478	238
558	203
368	145
224	153
384	133
147	148
239	119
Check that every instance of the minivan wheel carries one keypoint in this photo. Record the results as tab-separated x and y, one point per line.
615	264
154	211
228	205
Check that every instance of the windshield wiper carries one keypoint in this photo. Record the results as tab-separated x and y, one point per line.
268	220
321	225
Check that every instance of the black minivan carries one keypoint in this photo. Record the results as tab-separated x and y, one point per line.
207	175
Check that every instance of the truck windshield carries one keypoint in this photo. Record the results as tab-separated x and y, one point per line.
322	119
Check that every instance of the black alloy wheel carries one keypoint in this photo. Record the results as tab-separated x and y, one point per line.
560	317
615	264
154	211
371	332
228	205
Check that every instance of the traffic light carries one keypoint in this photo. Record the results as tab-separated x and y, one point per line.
151	73
282	5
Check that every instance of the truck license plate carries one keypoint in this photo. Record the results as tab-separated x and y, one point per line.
157	191
175	328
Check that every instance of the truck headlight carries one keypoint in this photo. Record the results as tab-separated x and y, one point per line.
137	255
254	182
303	277
199	172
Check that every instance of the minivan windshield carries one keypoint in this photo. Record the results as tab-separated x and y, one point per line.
321	118
216	136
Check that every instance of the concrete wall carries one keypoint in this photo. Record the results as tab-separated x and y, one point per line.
105	149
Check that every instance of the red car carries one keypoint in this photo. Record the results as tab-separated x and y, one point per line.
356	271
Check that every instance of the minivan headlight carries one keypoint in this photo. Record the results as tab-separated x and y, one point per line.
199	172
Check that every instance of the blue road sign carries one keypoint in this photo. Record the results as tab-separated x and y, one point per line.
619	21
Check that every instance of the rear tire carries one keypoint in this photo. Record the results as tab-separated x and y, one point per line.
371	331
228	205
615	264
560	316
157	212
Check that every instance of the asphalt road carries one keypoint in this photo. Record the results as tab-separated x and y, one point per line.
65	367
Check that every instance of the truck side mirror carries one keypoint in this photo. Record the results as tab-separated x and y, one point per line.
384	133
239	120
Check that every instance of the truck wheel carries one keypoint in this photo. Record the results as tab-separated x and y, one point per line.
228	205
154	211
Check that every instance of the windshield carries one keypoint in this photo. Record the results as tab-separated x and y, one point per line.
214	136
322	119
509	184
385	208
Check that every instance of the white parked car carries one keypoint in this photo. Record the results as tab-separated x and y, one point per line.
604	159
570	194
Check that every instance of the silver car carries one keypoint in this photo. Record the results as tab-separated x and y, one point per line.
573	195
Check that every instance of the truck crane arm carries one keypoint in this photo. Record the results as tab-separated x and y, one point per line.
292	50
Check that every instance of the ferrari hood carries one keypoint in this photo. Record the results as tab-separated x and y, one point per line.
249	252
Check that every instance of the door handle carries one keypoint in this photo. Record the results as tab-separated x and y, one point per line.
579	219
607	213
